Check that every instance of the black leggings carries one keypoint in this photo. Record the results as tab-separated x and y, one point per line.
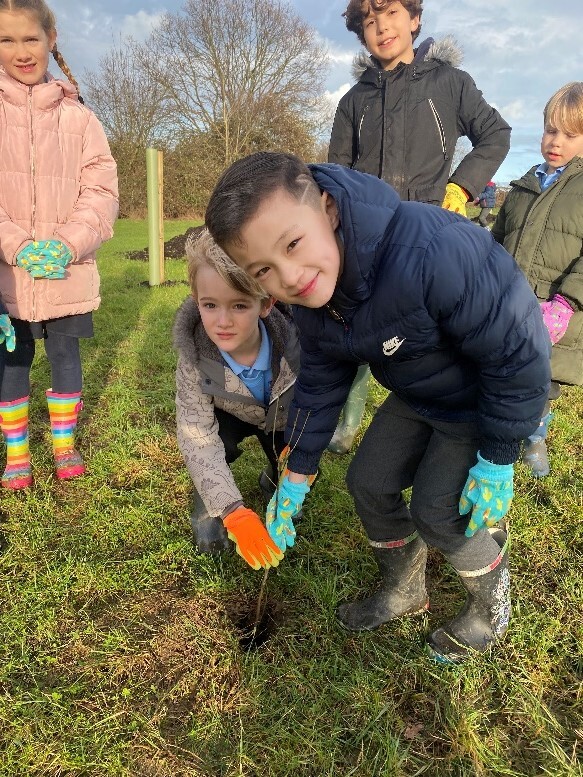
232	431
64	357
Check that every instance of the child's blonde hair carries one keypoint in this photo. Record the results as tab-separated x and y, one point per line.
202	250
564	110
46	19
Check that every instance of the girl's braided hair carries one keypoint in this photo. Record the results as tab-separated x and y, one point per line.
46	19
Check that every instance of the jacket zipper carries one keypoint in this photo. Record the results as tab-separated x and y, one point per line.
439	127
338	317
33	187
360	123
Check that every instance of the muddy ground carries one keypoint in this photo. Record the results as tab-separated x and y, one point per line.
175	248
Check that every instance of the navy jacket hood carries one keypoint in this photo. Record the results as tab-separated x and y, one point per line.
366	206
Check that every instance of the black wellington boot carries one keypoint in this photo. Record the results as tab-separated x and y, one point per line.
402	590
209	534
483	619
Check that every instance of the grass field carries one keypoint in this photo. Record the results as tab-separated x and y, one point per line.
120	646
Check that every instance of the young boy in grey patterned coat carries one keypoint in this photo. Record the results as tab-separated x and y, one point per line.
238	356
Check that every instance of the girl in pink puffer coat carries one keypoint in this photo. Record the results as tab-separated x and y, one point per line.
58	203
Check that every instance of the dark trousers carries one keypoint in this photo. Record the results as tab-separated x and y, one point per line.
233	431
483	217
403	449
62	352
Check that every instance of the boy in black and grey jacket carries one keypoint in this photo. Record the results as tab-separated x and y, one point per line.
401	122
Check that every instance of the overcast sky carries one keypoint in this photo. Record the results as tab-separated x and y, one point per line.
518	52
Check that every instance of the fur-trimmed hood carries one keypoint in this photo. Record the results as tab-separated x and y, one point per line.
443	51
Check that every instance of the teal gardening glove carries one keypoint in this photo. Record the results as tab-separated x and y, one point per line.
7	334
487	493
45	259
283	506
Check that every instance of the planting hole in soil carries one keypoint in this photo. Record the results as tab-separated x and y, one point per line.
252	633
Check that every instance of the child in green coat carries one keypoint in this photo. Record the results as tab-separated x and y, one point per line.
541	225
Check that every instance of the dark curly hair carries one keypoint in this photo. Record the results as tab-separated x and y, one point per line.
358	10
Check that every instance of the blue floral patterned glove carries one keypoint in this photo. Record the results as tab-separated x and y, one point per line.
7	332
287	502
45	259
487	493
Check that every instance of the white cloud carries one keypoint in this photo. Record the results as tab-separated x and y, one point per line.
139	25
514	111
339	56
334	96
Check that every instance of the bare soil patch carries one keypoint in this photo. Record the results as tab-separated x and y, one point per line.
175	248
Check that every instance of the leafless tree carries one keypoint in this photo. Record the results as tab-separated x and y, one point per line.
130	102
237	67
132	107
213	82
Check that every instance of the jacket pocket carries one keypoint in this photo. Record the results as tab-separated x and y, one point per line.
432	195
80	285
440	128
567	354
573	337
359	136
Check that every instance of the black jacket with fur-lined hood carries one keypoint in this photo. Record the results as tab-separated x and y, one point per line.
402	125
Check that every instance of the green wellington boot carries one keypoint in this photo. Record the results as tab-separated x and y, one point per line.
402	591
352	413
534	452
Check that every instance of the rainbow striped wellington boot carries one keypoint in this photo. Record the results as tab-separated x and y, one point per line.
63	411
14	425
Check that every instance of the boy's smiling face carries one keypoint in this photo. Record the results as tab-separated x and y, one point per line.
291	249
388	34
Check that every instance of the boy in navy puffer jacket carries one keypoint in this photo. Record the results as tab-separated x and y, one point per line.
447	322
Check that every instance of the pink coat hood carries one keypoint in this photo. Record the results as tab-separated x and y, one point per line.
58	181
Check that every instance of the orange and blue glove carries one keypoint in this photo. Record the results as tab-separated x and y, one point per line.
7	334
252	542
488	494
455	199
45	259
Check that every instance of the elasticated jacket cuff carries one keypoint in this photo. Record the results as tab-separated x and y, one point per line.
499	452
228	510
303	463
